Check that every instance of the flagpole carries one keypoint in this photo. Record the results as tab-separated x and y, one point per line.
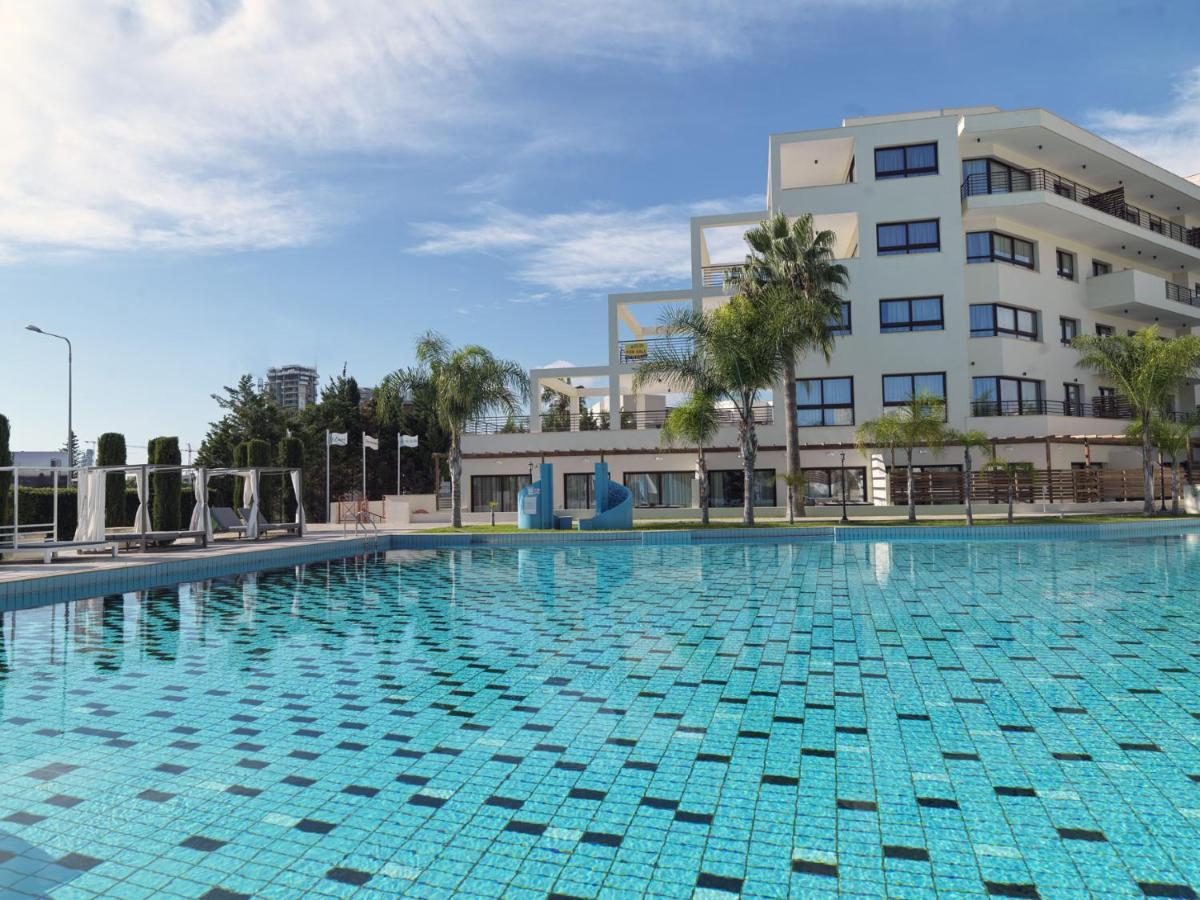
327	503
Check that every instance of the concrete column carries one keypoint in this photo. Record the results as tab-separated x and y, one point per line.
614	401
535	406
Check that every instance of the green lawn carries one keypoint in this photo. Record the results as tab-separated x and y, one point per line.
1085	519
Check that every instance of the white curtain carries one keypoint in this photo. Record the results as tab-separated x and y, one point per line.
90	510
142	519
299	500
201	520
252	490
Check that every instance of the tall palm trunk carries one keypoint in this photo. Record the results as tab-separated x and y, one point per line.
1174	485
702	472
912	501
967	484
1147	468
748	449
455	456
792	439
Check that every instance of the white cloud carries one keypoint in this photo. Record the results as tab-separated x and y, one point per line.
1170	138
589	250
193	125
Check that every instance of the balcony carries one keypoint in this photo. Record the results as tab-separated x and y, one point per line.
1112	202
1098	408
639	350
1143	296
560	421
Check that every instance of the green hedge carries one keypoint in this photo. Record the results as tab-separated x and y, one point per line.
110	451
37	505
165	508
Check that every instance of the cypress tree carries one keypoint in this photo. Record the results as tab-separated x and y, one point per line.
110	451
165	502
291	456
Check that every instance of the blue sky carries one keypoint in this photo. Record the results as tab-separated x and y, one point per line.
193	191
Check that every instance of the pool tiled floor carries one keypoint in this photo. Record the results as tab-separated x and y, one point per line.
1004	719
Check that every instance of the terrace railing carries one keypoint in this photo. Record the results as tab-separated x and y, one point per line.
1087	485
1098	408
1012	180
560	421
637	351
1181	294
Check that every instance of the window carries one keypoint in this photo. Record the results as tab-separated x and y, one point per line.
578	490
725	487
1073	399
990	176
840	327
991	246
998	320
1105	330
824	401
1001	396
911	314
825	485
1065	263
499	488
907	161
1068	329
899	389
660	488
1100	268
908	237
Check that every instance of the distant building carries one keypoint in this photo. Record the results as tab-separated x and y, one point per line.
39	462
366	396
293	387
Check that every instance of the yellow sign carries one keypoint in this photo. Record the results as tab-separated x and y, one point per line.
635	350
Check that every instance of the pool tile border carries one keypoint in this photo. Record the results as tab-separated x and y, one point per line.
25	593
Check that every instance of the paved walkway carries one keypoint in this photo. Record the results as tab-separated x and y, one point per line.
21	567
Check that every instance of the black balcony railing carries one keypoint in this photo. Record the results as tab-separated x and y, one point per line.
560	420
637	351
1010	180
716	276
1098	408
1181	294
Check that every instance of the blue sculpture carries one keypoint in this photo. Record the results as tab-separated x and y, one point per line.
614	503
535	503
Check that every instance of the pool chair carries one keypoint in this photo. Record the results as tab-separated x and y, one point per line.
227	521
264	526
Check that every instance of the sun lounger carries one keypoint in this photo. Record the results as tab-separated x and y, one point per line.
51	549
227	520
265	526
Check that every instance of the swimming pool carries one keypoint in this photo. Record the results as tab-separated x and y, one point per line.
1013	719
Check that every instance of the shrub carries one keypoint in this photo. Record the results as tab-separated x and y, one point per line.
110	451
291	455
165	505
254	453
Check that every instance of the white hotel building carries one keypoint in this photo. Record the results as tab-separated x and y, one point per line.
977	241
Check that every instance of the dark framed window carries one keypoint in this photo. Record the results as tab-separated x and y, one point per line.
502	489
990	176
1105	330
652	489
725	487
824	485
921	236
824	401
1004	396
578	490
1065	264
992	246
911	314
899	389
906	161
1068	329
1100	268
999	320
839	326
1073	399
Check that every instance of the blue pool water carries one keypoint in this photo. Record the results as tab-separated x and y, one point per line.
1012	719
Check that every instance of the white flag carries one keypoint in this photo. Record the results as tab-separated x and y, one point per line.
408	440
369	442
338	438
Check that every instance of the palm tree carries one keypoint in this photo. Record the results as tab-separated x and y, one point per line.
1147	373
1173	439
972	439
791	269
467	382
920	421
733	354
694	422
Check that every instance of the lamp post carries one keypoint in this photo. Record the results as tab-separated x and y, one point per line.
70	399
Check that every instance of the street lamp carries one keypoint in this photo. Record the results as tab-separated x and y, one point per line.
70	428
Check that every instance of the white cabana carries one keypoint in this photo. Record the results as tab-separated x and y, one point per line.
90	501
201	520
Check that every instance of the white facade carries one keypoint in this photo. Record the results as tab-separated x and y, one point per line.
293	387
1049	183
